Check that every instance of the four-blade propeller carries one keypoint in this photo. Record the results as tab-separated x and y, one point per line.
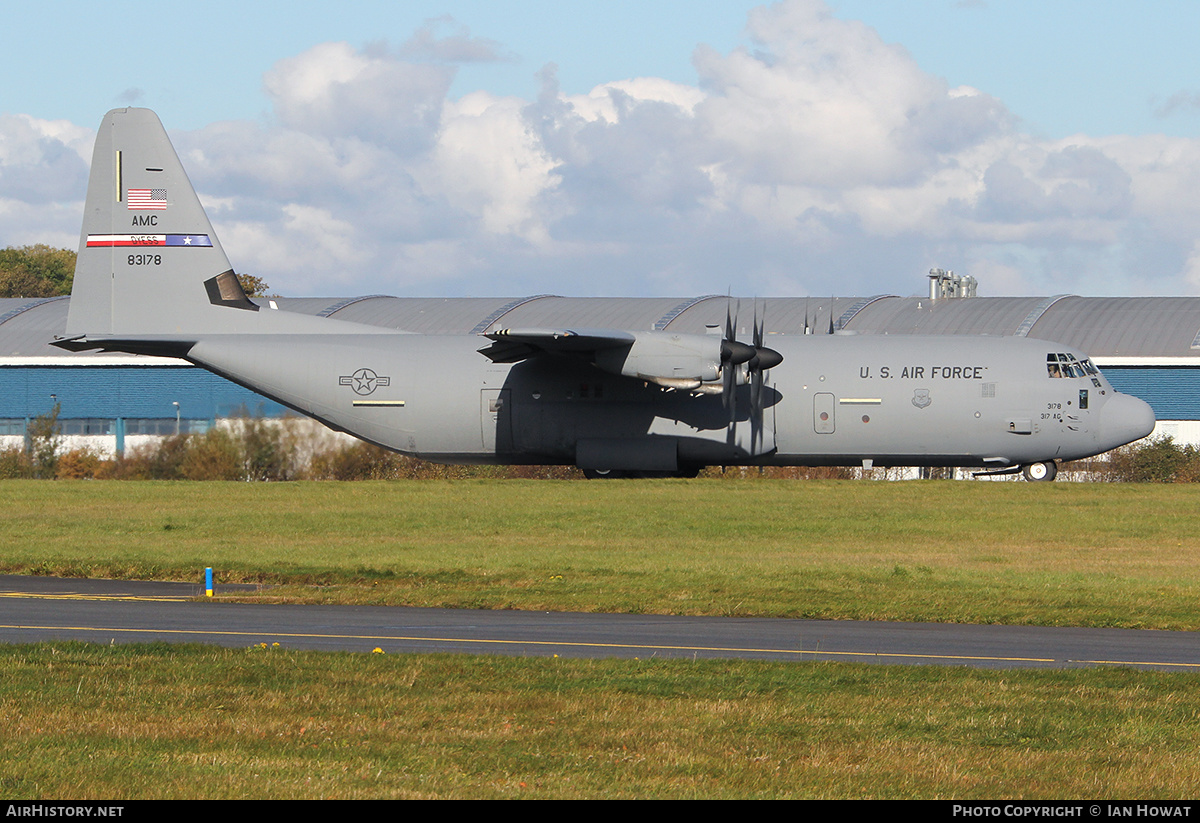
748	361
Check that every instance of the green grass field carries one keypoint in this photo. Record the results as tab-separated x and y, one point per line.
112	723
1065	554
86	721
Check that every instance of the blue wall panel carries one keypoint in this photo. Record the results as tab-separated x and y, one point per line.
149	391
1173	392
125	391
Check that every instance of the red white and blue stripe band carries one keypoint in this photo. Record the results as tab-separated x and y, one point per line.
110	240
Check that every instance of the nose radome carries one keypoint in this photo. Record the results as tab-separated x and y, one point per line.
1126	418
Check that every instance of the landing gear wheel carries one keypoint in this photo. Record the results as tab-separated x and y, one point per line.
1040	472
603	474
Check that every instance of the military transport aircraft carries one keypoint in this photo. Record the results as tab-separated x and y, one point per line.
152	278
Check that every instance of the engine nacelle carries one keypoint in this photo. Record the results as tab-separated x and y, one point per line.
677	361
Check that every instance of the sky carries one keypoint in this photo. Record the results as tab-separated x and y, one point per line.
465	148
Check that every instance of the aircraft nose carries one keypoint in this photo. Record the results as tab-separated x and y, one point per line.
1126	418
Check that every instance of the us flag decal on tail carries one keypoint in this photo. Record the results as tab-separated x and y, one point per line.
141	199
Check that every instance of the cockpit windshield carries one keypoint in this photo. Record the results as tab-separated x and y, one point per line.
1066	365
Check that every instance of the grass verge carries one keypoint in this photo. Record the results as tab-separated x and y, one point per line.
122	722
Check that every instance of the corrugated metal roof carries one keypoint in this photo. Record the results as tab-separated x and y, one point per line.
781	315
591	312
920	315
28	326
1100	326
1125	326
1142	327
423	315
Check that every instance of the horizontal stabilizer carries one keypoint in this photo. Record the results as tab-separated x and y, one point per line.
154	346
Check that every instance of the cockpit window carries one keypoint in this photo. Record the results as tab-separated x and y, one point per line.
1060	364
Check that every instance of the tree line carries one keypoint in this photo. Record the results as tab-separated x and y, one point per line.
36	271
43	271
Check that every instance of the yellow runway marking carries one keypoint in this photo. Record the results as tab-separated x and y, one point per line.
77	596
260	636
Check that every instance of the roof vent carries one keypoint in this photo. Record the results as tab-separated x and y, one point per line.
944	284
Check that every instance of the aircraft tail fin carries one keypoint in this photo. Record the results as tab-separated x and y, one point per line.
149	262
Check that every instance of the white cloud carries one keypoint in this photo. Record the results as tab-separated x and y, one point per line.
457	47
1191	271
823	102
334	90
817	153
816	158
40	158
488	162
605	102
43	177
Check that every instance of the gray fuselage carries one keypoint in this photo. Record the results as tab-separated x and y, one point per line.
834	400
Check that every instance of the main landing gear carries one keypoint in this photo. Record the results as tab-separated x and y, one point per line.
1040	472
614	474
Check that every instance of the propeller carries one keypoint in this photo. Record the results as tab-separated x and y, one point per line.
755	358
733	354
764	359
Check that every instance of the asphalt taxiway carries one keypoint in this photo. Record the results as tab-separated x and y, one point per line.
36	609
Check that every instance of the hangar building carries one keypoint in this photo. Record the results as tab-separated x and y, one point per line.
1147	346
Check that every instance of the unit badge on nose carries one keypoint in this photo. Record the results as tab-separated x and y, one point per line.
364	381
921	398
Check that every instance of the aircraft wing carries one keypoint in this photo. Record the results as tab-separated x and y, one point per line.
676	361
514	345
693	362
